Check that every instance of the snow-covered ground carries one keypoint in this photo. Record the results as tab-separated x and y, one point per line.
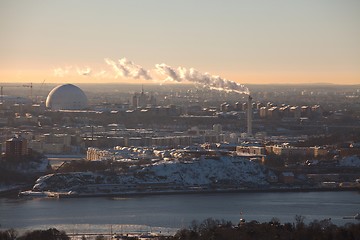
208	171
42	165
224	171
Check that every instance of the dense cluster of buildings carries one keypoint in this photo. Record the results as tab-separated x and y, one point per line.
68	122
181	127
241	149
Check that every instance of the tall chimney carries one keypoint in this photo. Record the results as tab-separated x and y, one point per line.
249	116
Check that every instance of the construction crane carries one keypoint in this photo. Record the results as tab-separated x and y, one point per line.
40	89
24	85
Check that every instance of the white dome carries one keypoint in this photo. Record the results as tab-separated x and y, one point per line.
66	97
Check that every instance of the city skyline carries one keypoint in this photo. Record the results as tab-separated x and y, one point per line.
248	42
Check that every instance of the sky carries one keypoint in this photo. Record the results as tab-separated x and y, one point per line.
249	42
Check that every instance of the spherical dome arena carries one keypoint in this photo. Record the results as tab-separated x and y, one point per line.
66	97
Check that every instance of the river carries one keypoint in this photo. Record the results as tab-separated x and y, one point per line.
167	213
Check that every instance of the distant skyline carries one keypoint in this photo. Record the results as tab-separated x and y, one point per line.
249	42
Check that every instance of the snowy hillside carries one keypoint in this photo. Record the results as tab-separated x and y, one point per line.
225	171
207	171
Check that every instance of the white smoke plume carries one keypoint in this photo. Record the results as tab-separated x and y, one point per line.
61	72
102	74
168	71
84	72
126	68
182	74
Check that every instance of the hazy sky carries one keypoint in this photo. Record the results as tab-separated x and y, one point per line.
268	41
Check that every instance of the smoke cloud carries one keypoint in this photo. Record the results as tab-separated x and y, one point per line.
102	74
84	72
182	74
126	68
61	72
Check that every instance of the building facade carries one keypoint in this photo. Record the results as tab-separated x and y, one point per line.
16	148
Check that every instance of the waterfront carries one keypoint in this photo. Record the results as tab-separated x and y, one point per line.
167	213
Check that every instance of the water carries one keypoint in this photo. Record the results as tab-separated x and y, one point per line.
170	212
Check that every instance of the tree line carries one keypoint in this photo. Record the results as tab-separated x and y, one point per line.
212	229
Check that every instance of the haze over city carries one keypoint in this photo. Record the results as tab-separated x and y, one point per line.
179	120
249	42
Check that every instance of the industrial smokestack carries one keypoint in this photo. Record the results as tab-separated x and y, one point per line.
249	116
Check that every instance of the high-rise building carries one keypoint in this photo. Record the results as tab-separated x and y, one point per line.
16	148
142	99
249	116
135	101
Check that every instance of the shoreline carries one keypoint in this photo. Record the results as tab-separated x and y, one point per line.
182	192
14	190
